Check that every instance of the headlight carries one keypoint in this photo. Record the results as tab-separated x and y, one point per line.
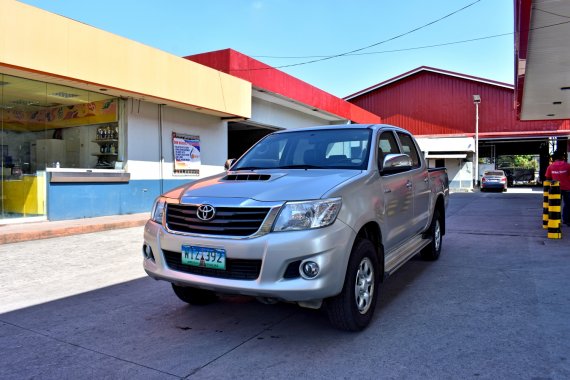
296	216
158	209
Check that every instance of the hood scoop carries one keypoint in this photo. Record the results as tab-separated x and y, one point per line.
247	177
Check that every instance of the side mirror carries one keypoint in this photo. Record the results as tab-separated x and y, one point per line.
229	164
396	163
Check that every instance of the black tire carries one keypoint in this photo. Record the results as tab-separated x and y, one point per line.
194	296
433	249
350	312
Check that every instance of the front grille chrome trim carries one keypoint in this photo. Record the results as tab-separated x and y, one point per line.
264	228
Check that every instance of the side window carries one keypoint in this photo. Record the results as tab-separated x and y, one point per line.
386	145
409	148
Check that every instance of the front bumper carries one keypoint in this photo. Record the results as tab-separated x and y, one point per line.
329	247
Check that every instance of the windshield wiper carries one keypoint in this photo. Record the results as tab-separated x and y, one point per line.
301	167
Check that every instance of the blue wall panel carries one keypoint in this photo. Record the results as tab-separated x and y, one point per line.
88	200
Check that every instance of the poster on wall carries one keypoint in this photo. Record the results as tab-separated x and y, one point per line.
186	150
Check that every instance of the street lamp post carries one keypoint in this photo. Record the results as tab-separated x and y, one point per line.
476	100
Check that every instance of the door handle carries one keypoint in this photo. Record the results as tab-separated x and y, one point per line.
409	185
426	179
386	191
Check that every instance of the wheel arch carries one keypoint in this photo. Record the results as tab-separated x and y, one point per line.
440	207
371	231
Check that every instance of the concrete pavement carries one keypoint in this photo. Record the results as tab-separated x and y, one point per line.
494	306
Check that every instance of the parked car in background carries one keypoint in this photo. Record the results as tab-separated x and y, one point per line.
494	180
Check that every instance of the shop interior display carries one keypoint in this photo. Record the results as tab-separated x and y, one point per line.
108	141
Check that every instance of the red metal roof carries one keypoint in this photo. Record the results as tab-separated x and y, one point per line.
272	80
426	68
429	101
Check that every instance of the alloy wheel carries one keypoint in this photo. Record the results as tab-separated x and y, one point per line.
364	286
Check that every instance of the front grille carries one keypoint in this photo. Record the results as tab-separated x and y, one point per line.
236	269
228	221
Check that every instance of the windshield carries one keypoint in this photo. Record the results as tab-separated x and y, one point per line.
314	149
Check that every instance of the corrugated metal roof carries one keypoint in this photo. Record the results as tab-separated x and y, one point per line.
432	102
431	69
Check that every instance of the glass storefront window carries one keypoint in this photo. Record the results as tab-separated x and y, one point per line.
46	126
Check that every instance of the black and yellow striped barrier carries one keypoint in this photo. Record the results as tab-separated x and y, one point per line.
554	211
546	190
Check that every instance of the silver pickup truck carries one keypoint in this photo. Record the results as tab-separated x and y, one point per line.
317	216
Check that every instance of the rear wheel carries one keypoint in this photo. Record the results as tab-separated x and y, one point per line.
353	308
433	249
194	296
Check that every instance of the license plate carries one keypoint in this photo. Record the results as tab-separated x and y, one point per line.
204	257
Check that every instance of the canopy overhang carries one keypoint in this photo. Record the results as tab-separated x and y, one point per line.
542	59
59	50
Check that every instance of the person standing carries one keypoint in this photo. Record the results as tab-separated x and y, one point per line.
559	170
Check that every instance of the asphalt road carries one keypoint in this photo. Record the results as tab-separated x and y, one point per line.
495	306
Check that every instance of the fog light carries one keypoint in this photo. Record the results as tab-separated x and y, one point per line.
310	269
147	252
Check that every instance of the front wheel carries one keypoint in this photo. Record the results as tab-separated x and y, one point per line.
353	308
433	249
194	296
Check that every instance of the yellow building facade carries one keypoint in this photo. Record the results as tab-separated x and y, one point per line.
66	92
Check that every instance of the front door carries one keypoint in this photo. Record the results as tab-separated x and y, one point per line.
398	208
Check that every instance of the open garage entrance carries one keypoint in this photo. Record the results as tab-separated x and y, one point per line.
524	160
242	135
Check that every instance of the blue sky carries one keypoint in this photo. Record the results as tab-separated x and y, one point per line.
272	30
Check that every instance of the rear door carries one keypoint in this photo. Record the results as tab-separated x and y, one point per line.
419	179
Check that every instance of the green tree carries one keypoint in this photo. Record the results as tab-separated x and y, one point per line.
525	161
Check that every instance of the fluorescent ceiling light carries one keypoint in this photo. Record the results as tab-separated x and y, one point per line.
66	95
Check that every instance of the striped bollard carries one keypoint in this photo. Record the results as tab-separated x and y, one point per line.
554	211
545	204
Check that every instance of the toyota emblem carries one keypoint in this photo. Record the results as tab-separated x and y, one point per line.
206	212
